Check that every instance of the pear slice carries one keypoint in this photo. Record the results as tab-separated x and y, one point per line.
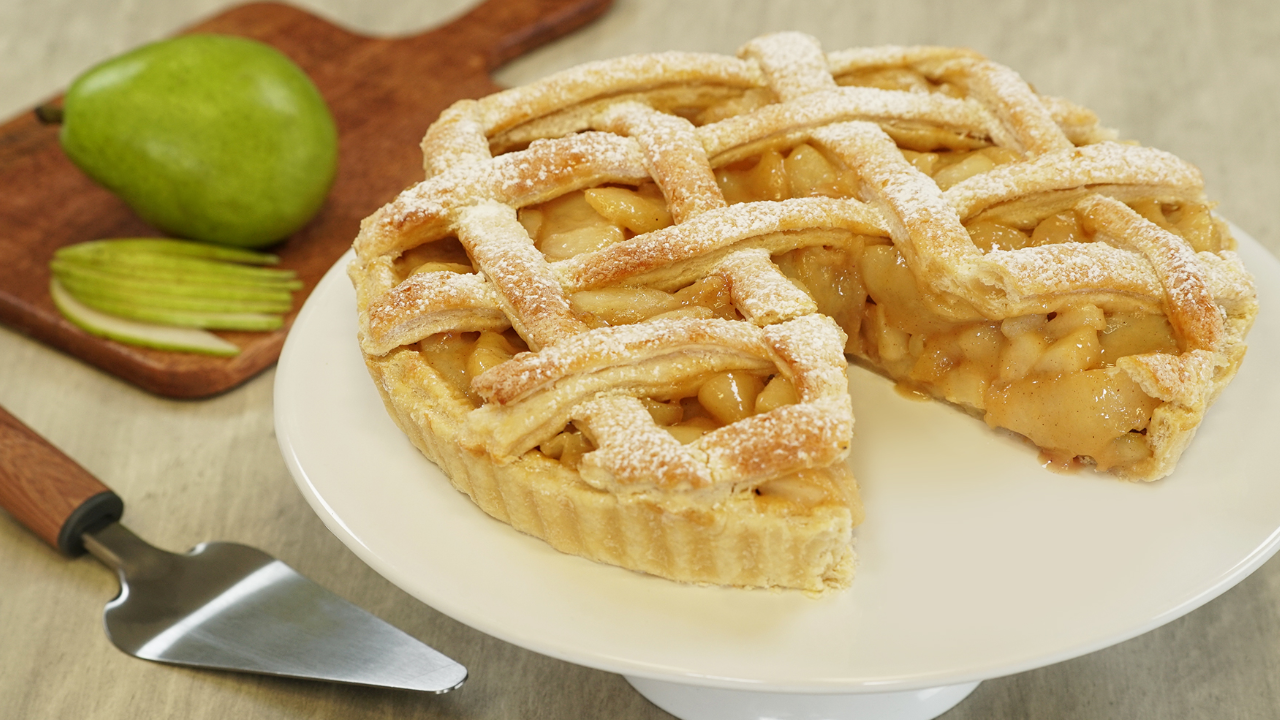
82	282
232	281
165	282
161	337
143	263
170	246
130	310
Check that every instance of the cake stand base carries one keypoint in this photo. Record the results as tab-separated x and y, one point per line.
690	702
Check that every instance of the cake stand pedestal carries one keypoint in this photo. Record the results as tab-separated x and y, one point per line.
973	562
691	702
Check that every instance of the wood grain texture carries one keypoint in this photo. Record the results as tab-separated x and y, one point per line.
39	485
383	94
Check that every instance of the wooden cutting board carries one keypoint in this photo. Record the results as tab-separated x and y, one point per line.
384	93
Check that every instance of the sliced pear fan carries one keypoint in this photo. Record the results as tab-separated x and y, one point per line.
170	284
178	261
161	337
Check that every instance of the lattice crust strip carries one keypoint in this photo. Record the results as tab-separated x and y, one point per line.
929	154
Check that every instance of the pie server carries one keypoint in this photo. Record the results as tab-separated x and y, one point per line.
222	605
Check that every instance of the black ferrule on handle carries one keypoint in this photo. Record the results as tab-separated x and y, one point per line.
94	513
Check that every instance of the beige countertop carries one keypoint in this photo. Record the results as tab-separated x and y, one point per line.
1195	77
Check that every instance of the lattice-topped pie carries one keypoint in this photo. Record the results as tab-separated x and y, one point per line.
619	309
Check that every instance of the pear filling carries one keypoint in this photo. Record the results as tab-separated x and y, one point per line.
708	297
460	356
1050	377
807	489
445	255
587	220
1192	222
898	78
720	400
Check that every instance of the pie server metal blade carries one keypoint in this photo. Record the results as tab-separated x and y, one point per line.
222	605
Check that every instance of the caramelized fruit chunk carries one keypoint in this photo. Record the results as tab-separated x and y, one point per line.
890	283
447	354
622	305
1081	413
640	211
569	226
1136	334
730	396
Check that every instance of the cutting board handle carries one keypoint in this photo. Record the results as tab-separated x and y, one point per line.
49	492
503	29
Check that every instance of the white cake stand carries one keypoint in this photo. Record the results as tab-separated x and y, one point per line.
973	561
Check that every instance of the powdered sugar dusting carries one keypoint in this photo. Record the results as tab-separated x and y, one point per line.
806	347
473	195
760	291
922	224
710	232
674	156
781	441
792	62
635	454
847	103
1016	105
518	272
1033	274
1105	163
429	303
616	345
1190	308
611	77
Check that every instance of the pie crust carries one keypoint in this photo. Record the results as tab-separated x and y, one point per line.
619	309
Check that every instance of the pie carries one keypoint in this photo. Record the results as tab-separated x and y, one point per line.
619	310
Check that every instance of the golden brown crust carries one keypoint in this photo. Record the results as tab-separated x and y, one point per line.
1191	310
693	512
737	542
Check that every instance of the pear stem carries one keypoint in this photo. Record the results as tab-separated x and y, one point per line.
49	114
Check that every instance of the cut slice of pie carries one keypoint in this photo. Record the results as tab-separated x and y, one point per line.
618	311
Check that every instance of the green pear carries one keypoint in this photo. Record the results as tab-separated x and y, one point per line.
207	137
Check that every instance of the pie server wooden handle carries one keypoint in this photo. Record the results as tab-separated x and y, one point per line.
49	492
